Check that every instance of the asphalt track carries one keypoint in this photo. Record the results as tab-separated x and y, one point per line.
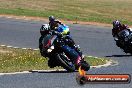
93	40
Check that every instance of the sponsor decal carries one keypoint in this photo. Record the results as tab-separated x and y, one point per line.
83	78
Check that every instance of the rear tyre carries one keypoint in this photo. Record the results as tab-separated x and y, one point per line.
118	44
52	62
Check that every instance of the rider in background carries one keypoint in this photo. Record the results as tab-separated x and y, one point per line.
117	27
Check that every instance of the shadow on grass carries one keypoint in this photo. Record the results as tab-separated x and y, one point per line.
119	56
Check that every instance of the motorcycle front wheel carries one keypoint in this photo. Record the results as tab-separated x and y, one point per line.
66	62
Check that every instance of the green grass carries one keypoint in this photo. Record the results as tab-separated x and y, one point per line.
12	60
95	61
104	11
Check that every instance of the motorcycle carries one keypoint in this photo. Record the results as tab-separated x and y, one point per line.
124	41
60	54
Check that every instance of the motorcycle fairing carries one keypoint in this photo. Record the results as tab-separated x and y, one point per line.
71	53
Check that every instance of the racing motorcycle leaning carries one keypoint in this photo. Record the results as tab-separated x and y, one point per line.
53	45
124	41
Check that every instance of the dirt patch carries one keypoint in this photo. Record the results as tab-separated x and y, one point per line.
46	20
65	22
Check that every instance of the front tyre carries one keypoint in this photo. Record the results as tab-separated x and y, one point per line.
84	65
66	63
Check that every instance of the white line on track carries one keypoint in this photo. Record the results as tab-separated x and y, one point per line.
24	72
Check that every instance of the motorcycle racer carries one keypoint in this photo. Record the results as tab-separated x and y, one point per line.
44	30
54	27
117	27
54	24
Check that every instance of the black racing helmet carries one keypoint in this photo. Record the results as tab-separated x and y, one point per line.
51	18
